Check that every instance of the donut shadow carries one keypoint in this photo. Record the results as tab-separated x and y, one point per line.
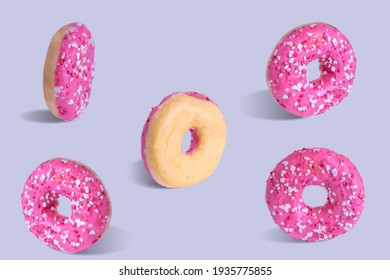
114	240
260	104
40	116
139	174
276	235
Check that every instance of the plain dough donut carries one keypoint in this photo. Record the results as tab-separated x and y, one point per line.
163	133
90	203
320	167
68	71
287	66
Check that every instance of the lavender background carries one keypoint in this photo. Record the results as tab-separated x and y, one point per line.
148	49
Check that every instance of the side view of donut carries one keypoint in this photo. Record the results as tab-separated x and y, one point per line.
68	71
90	205
287	68
164	130
315	167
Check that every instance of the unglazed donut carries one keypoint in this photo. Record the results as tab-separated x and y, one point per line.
90	203
164	130
286	69
319	167
68	71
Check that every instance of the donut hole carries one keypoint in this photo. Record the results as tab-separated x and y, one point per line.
64	207
190	141
315	196
313	71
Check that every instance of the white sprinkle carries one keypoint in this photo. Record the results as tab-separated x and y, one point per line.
79	222
347	226
285	207
92	232
334	172
57	90
297	87
284	96
70	30
71	102
292	168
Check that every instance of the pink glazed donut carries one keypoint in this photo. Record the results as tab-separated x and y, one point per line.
90	203
68	71
315	167
286	69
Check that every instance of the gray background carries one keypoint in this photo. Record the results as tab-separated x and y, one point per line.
148	49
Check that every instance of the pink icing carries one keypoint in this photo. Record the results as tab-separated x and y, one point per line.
194	140
287	69
90	203
318	167
74	72
194	135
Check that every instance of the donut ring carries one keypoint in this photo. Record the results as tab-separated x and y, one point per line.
162	136
90	203
68	71
286	69
321	167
